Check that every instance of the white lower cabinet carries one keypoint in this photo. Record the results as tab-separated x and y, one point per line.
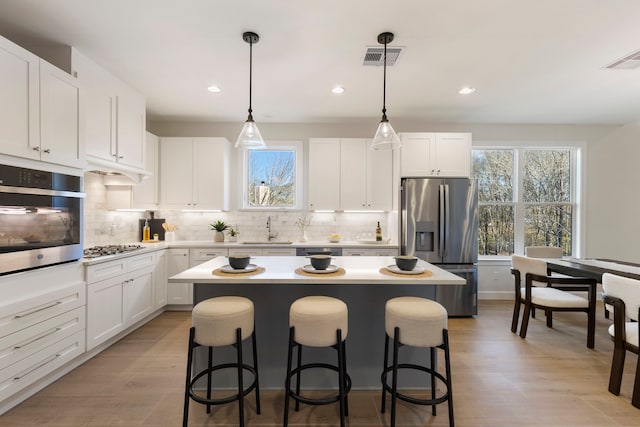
42	324
119	294
160	279
177	262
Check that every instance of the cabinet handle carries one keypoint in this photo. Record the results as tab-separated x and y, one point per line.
35	148
438	171
46	150
121	157
38	337
29	313
38	366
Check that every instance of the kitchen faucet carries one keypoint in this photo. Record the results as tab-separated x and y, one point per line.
270	235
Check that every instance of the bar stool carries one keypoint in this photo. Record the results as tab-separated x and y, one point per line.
318	321
416	322
218	322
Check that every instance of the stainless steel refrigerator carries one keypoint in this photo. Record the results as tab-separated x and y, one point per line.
439	223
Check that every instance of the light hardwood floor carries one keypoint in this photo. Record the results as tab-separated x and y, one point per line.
499	379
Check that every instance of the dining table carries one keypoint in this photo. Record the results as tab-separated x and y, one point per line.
593	267
364	283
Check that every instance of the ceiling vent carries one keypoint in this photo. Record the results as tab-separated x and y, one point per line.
629	62
375	56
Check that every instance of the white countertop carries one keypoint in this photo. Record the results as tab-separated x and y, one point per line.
281	270
309	244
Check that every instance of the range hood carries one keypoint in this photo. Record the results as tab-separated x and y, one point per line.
116	174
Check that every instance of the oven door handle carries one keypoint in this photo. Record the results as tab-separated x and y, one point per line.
41	192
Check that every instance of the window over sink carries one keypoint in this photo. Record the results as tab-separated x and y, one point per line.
272	177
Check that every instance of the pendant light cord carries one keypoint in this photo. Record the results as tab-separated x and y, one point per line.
384	84
250	76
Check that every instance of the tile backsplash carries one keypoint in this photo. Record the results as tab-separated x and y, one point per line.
106	227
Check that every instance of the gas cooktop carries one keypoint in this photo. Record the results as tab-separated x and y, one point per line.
98	251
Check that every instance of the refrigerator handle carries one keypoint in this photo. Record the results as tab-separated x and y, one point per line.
441	194
446	218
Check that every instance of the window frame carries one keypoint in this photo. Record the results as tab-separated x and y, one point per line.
578	176
298	148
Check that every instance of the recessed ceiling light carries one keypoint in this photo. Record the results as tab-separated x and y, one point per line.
214	88
466	90
338	90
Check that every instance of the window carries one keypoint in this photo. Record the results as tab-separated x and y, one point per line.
526	198
272	176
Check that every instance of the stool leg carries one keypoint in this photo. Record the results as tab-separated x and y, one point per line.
210	361
255	366
341	379
447	362
240	384
287	383
298	377
394	379
185	414
344	364
384	369
433	378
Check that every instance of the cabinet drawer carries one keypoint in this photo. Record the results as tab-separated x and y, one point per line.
25	313
279	252
21	344
200	255
98	272
141	261
19	375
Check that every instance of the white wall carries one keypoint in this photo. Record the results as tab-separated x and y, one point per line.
613	197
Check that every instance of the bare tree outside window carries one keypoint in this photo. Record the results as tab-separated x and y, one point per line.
271	180
545	202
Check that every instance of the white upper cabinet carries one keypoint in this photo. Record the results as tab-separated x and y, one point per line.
344	174
145	194
324	173
194	173
115	117
435	154
39	109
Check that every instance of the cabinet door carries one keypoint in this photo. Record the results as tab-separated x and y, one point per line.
138	295
98	100
353	174
105	310
178	293
59	117
451	155
160	279
130	128
415	155
145	194
210	173
19	102
176	172
324	174
379	179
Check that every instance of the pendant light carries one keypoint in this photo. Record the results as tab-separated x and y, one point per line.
250	137
385	137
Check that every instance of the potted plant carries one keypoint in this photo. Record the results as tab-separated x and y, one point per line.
219	227
233	234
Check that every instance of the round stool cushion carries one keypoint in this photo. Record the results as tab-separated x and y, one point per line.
216	320
316	319
420	320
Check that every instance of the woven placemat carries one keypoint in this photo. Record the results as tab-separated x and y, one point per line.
385	270
339	272
219	272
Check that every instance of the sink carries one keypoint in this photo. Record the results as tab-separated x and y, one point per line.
273	242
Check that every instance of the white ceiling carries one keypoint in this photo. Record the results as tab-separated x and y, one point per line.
531	61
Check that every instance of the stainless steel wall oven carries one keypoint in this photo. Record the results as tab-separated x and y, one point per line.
41	218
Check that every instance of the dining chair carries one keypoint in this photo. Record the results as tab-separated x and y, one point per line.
623	294
543	252
534	288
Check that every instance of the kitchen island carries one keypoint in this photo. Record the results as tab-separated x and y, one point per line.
361	284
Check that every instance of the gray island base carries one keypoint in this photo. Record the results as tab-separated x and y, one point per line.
363	288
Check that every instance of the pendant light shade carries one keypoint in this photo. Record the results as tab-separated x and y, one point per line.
250	137
385	137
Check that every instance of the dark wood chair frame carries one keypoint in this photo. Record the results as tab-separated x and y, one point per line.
620	348
570	284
